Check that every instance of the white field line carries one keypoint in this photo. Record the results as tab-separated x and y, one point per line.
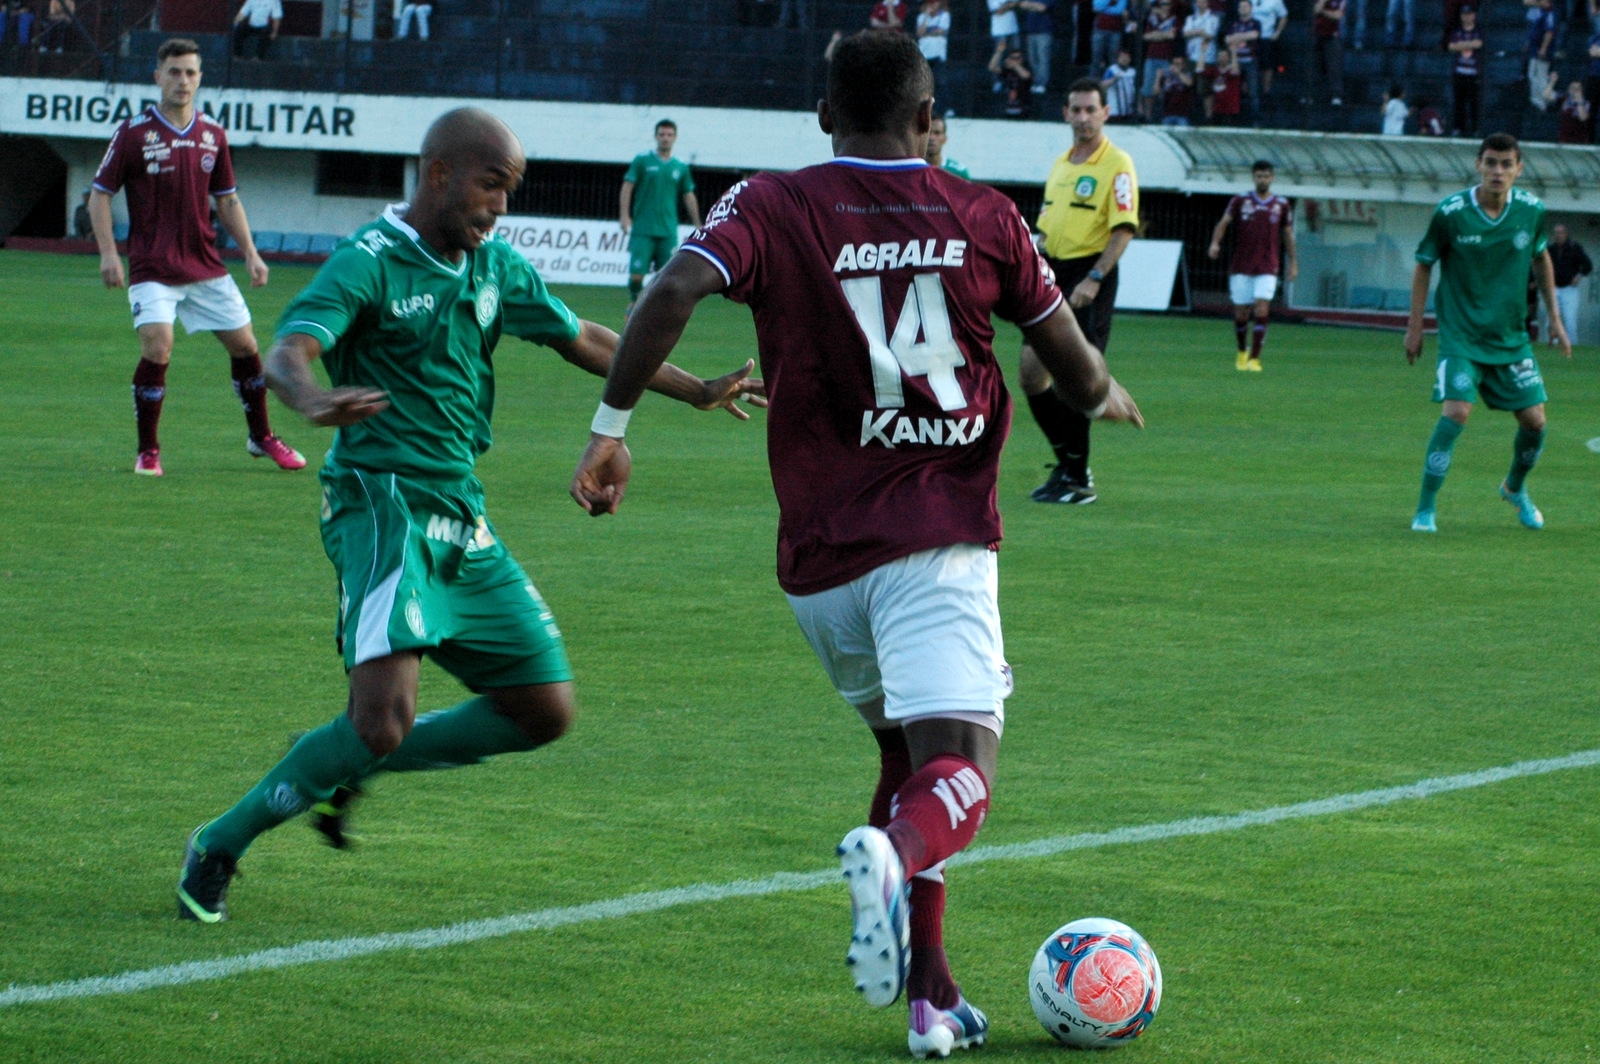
318	952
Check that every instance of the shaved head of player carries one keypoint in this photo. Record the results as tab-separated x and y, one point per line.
404	316
872	280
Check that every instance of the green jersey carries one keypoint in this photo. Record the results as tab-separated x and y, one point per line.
951	166
1484	262
658	184
392	314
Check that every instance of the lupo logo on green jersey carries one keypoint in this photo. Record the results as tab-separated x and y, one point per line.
1522	239
488	303
1085	187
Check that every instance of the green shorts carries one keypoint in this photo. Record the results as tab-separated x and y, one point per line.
420	568
644	250
1513	387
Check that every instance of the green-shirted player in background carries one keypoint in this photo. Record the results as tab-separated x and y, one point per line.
654	185
1485	241
934	155
406	315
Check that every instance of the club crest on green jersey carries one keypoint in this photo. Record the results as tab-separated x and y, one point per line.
488	303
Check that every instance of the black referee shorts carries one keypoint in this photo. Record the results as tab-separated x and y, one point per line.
1095	319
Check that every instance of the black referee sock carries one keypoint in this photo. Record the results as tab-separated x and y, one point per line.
1067	431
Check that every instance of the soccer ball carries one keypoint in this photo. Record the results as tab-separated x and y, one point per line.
1095	984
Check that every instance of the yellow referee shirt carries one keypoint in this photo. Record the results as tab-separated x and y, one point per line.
1084	201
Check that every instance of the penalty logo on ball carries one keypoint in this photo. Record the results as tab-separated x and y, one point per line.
1095	983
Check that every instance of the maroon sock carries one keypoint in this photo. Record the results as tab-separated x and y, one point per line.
250	385
1258	336
1241	330
894	768
939	810
149	390
930	976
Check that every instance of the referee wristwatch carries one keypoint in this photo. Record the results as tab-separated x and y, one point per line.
1096	276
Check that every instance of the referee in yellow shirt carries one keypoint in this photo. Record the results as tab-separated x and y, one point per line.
1091	209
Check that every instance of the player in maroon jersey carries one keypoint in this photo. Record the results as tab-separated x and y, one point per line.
173	161
872	279
1265	222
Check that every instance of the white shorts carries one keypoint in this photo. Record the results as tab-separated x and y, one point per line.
204	306
920	632
1246	288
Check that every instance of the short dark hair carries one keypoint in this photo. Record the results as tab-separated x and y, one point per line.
1500	142
667	122
1087	85
1262	164
176	46
1397	90
877	81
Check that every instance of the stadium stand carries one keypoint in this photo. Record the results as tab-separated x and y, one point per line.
712	53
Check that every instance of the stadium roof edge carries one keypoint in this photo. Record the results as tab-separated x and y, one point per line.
1373	167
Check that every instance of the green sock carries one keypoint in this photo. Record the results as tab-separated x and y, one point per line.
634	284
1524	452
1440	444
460	735
321	760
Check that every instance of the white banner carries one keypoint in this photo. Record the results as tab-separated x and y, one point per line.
1145	274
573	250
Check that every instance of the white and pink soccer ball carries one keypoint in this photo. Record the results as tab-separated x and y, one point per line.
1095	984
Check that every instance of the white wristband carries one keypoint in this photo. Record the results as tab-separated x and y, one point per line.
609	421
1098	412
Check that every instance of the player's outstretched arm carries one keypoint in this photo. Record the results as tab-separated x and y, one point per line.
653	330
105	238
595	346
1079	371
1544	274
288	370
1420	276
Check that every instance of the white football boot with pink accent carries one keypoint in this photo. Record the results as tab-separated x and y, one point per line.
935	1032
880	938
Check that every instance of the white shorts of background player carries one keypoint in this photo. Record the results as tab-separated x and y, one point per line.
204	306
918	636
1245	288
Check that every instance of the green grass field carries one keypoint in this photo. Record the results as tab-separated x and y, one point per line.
1242	621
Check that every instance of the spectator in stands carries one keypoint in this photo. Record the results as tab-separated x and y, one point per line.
16	24
1466	44
1225	82
1394	111
1591	87
1004	29
1398	9
1160	41
58	18
1015	80
1118	81
1274	17
1571	265
1575	126
889	15
1243	33
1355	30
1430	123
1110	17
421	10
257	20
933	39
1328	49
1200	36
1176	86
1542	25
1038	30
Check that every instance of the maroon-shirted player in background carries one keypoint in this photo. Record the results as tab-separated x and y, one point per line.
871	279
1264	221
173	161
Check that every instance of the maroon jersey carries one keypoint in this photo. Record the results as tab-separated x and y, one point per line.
171	175
872	283
1258	226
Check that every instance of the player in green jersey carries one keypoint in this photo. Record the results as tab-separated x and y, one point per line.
935	152
406	316
1485	241
654	184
